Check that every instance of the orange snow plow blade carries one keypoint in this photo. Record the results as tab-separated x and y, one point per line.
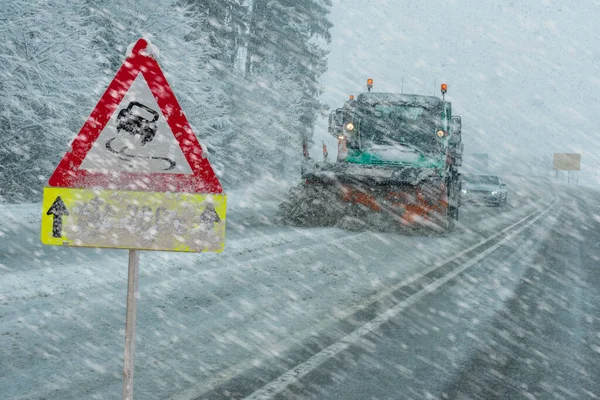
409	204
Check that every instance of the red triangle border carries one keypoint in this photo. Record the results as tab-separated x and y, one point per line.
202	179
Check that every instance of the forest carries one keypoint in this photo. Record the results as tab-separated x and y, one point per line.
246	73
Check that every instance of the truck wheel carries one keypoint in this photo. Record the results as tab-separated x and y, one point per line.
445	221
454	213
450	218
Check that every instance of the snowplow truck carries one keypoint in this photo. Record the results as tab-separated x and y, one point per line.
398	162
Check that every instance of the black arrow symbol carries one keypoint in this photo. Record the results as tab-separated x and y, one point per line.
210	215
57	209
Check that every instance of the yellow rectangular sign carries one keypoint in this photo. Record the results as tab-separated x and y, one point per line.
133	220
567	161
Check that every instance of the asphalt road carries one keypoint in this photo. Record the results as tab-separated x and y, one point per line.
521	322
223	326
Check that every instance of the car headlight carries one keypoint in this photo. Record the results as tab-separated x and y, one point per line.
463	191
495	193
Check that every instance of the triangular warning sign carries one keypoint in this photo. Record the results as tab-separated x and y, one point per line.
137	138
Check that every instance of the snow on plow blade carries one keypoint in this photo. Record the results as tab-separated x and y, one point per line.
370	175
402	196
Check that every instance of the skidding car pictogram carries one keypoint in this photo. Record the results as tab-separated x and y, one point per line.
137	125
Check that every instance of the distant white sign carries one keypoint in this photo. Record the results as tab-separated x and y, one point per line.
567	162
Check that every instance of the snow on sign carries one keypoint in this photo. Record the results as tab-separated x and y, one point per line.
135	176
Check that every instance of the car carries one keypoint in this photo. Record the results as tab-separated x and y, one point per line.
484	189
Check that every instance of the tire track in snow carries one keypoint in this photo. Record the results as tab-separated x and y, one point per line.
245	365
290	377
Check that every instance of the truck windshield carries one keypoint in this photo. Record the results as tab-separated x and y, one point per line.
388	124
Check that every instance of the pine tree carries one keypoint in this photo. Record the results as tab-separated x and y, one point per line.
45	64
224	21
58	60
245	71
223	24
285	59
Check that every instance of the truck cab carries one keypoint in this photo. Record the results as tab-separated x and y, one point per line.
413	135
370	128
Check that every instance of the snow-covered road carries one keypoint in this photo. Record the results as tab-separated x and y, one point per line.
518	320
203	319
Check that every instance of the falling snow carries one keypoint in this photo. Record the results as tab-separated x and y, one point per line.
343	274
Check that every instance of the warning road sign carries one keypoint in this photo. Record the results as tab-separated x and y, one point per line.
135	176
137	138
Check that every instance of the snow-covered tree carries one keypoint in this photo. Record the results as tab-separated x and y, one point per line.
284	59
56	59
225	23
45	69
244	71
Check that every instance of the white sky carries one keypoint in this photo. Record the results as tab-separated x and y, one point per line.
523	75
